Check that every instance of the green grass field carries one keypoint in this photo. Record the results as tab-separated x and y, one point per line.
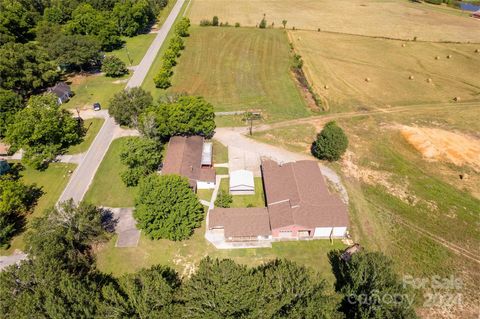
220	153
205	194
52	181
94	88
239	69
256	200
184	255
92	126
107	188
134	48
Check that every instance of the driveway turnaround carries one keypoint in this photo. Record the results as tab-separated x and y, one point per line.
128	234
83	175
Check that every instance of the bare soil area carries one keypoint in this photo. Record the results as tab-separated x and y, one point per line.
440	145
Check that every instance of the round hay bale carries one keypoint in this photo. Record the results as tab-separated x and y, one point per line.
403	45
326	87
477	50
437	58
449	56
367	79
429	80
411	77
456	99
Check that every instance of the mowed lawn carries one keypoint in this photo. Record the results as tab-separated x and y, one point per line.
255	200
185	255
92	88
52	181
383	18
107	188
399	73
239	69
134	48
92	126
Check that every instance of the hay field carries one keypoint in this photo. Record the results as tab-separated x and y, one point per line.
237	69
386	18
343	62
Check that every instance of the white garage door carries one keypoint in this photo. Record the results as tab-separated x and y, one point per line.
285	234
339	231
323	232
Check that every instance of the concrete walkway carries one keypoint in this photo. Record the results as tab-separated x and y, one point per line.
6	261
85	172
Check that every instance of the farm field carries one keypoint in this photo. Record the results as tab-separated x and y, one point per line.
394	189
52	181
92	126
381	18
107	188
238	69
344	62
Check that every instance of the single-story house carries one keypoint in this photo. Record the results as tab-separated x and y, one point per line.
299	203
240	224
299	206
190	157
62	91
242	182
4	167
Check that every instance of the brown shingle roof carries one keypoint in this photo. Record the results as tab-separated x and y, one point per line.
297	195
240	222
184	157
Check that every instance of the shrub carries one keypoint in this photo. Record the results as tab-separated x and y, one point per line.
297	62
205	23
237	24
113	66
166	207
215	21
331	143
177	44
162	79
223	200
182	26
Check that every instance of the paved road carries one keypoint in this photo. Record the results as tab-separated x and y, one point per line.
141	70
83	175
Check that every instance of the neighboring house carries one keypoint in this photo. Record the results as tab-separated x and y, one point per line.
299	206
4	167
476	14
62	91
190	157
242	183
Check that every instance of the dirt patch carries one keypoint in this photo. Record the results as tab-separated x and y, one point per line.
121	81
440	145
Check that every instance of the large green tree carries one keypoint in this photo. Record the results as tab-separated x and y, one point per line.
370	287
113	66
331	143
10	104
148	293
166	207
187	115
132	17
25	68
43	130
64	235
16	21
142	156
127	105
16	200
75	52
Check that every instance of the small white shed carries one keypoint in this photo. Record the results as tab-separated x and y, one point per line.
242	183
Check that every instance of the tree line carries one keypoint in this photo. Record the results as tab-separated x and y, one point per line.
60	280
